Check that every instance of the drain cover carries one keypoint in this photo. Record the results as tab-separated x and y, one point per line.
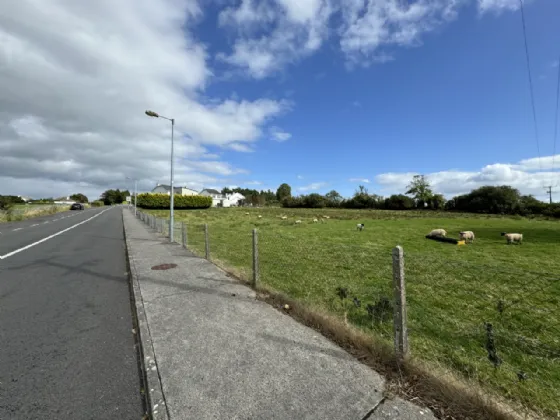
164	266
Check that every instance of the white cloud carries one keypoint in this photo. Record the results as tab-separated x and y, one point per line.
299	177
253	183
214	167
76	78
497	6
524	175
314	186
279	135
362	180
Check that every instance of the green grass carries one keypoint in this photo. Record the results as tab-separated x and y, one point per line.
23	212
451	290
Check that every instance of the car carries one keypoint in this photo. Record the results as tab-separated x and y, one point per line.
77	206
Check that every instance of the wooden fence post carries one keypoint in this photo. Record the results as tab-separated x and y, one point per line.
184	234
399	314
206	241
256	273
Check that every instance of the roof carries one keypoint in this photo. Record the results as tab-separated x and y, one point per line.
168	188
211	191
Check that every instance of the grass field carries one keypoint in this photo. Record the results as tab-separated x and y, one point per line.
24	212
452	291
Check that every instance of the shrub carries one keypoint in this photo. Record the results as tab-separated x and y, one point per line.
162	201
97	203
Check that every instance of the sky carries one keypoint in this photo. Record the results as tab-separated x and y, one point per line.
320	94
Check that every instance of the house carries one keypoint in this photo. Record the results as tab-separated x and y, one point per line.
164	189
222	200
24	198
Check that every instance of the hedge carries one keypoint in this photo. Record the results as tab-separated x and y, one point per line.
97	203
161	201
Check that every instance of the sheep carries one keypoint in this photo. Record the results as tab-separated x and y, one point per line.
513	237
360	226
326	217
466	235
438	232
298	222
246	213
284	217
315	220
259	216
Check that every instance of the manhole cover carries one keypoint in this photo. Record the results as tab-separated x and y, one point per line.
164	266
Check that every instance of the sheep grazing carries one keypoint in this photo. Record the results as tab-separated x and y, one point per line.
247	213
466	236
259	216
326	217
284	217
298	222
315	220
360	226
513	237
438	232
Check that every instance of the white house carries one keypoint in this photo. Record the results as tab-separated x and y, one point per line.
164	189
222	200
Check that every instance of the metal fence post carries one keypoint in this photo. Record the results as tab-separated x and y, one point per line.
206	241
399	314
256	273
184	234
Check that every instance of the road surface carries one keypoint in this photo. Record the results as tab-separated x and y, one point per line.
66	340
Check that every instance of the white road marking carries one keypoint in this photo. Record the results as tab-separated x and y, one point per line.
45	222
9	254
36	224
15	230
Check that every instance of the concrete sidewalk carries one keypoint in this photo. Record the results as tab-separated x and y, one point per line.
212	351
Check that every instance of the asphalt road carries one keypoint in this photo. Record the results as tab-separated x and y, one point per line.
66	340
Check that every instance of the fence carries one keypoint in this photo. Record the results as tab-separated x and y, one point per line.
492	324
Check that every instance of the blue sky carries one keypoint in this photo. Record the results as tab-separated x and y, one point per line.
321	94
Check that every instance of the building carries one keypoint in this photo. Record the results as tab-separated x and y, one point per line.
164	189
222	200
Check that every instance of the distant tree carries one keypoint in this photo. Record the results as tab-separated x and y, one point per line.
399	202
490	199
333	199
419	189
436	202
7	201
283	192
111	197
79	197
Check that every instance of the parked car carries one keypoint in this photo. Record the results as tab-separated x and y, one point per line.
77	206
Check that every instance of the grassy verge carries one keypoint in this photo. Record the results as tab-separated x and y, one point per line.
24	212
452	291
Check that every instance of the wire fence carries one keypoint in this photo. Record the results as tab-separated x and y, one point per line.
493	324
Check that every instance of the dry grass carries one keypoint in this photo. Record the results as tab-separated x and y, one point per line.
452	291
24	212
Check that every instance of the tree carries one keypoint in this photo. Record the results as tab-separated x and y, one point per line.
399	202
111	197
79	197
333	199
284	191
437	202
420	189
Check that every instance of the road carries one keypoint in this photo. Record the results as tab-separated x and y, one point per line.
66	339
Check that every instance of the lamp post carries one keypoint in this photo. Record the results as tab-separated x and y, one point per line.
135	192
172	192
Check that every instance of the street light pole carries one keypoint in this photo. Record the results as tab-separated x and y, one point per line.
172	192
135	194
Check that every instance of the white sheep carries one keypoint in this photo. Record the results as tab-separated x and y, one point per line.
466	235
438	232
360	226
246	213
315	220
513	237
298	222
326	217
259	216
284	217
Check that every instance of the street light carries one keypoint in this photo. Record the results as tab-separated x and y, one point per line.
135	192
172	192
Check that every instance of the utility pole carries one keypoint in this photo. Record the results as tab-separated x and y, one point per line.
549	192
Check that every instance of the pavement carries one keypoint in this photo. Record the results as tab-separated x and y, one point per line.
67	349
211	350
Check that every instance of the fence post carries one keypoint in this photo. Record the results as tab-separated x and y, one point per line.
255	258
399	314
184	234
206	242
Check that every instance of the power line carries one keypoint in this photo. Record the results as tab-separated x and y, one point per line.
549	192
530	82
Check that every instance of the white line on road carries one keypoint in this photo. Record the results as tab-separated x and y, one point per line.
36	224
45	222
15	230
9	254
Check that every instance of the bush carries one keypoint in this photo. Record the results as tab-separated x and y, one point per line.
162	201
97	203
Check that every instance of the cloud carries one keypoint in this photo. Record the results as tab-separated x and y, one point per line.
279	135
75	81
362	180
498	6
313	186
299	177
253	183
524	175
